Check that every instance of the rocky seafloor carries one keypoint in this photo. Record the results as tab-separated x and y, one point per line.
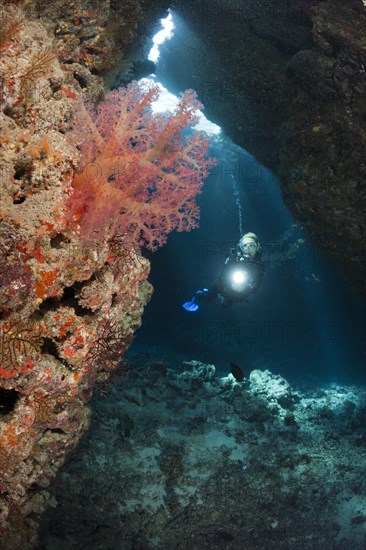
185	458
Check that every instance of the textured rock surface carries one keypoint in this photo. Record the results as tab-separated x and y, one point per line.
192	460
71	301
287	82
68	312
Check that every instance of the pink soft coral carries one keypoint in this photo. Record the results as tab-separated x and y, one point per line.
139	176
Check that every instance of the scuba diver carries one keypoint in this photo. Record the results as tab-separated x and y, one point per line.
241	275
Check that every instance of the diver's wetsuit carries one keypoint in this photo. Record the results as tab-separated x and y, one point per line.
222	288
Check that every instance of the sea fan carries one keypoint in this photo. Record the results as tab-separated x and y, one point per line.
19	340
40	64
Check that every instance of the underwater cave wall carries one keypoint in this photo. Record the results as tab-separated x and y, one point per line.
67	312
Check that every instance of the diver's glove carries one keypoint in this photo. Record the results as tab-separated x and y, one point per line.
200	292
192	305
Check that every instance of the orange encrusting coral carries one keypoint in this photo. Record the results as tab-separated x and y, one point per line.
47	278
69	310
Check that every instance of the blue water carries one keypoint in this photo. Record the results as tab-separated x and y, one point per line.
303	321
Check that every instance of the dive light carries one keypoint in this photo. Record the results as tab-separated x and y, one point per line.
238	279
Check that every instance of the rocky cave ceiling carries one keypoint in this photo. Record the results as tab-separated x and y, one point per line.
286	81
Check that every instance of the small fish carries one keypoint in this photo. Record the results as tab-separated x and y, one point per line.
237	372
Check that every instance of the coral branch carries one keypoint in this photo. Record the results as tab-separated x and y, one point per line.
139	177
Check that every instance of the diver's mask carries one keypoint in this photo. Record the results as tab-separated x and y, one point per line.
249	249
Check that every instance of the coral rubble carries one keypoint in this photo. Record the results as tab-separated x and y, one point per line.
198	460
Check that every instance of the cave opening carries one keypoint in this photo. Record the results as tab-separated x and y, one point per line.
304	314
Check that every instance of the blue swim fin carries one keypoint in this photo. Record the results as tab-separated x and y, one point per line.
190	306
